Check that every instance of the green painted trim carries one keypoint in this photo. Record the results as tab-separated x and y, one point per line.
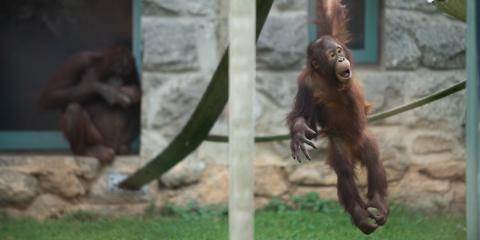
137	51
369	54
32	140
137	34
472	131
312	30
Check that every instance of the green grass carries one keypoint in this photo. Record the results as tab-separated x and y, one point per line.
269	225
307	217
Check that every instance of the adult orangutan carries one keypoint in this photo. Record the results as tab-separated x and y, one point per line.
98	94
329	97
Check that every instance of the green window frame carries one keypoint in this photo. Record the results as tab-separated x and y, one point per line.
53	141
368	54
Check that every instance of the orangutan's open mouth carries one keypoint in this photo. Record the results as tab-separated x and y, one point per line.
345	75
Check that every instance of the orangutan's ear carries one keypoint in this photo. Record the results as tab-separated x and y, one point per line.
315	64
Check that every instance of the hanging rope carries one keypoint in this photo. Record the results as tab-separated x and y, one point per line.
374	117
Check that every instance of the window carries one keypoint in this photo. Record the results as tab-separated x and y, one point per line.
363	26
37	36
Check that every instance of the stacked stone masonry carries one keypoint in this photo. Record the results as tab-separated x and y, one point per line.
422	51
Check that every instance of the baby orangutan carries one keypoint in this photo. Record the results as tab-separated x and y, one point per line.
329	97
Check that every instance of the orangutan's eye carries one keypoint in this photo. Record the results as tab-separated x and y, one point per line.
339	50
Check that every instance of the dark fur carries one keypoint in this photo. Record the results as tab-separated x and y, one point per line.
340	111
99	96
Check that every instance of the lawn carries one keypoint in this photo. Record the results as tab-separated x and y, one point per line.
197	224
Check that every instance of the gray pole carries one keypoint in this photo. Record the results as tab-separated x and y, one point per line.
241	120
473	147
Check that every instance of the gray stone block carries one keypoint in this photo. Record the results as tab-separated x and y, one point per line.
401	51
283	41
443	44
384	90
170	100
169	45
441	40
280	87
421	5
291	5
179	7
446	114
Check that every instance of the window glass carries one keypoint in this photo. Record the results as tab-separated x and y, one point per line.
37	37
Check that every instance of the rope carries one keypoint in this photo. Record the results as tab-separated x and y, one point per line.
374	117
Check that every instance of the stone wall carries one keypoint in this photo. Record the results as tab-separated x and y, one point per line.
422	51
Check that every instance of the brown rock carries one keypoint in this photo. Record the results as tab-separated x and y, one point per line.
459	192
88	167
64	184
213	153
268	157
422	193
12	161
214	185
186	172
457	208
361	174
430	144
395	170
17	188
40	165
270	181
261	202
392	151
112	210
314	173
162	196
46	206
13	212
180	196
56	174
415	181
458	204
454	170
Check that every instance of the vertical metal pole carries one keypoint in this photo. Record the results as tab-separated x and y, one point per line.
241	120
473	171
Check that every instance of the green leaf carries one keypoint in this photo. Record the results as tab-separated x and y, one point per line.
456	8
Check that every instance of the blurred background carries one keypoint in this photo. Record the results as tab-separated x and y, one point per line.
403	50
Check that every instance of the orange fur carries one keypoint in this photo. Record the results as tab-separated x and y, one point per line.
339	108
332	19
